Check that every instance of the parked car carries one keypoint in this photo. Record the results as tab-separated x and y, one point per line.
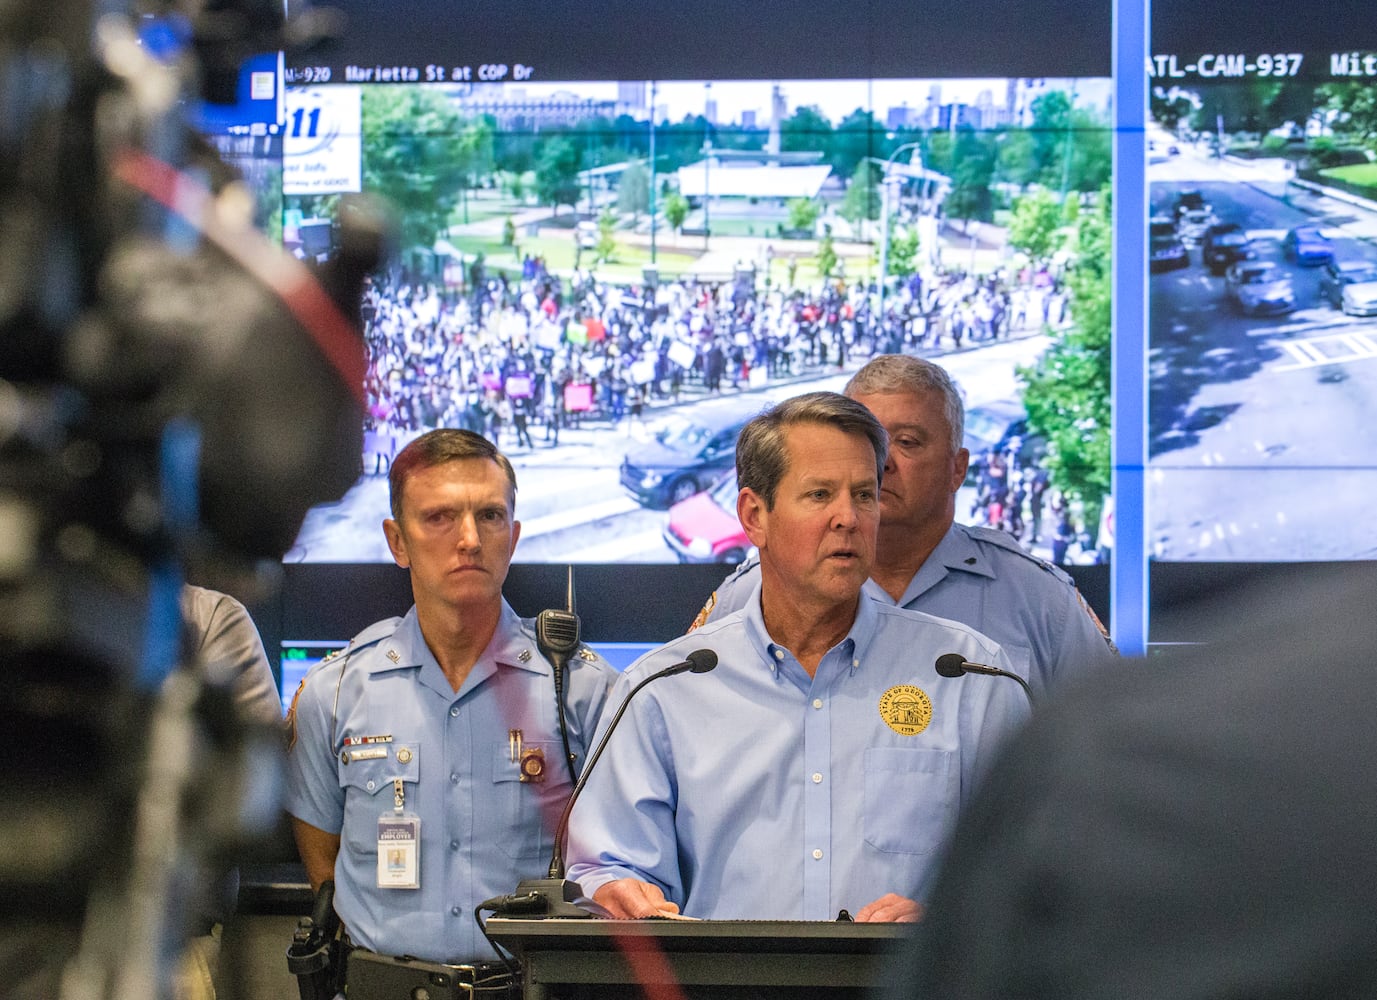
999	426
1360	298
1166	252
704	528
1260	288
687	453
1337	275
1225	244
1307	245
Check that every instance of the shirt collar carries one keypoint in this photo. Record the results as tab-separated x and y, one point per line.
855	644
957	551
512	645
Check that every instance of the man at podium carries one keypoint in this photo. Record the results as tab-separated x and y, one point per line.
821	766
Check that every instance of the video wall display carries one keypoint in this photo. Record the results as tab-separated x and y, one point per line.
1263	302
609	276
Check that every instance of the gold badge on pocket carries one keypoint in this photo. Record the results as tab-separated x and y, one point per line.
533	764
906	709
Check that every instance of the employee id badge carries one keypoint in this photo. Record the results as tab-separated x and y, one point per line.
399	851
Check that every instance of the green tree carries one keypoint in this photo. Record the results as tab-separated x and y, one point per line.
857	137
557	173
1015	160
1356	107
803	214
827	253
862	199
633	191
1067	391
475	158
414	155
606	246
676	210
903	253
973	163
1051	129
1091	165
806	129
1169	107
1033	226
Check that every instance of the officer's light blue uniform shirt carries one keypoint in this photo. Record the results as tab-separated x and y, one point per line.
755	792
982	578
482	828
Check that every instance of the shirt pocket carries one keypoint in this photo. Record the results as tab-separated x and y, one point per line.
369	792
911	798
530	809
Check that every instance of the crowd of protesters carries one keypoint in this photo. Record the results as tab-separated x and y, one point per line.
506	355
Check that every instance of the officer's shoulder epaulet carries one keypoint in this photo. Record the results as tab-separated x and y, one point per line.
1007	543
747	565
374	633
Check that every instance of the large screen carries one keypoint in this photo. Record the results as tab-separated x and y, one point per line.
1262	196
612	257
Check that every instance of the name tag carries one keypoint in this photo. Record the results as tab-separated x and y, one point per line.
399	851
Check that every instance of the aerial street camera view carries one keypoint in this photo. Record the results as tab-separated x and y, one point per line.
1263	308
610	278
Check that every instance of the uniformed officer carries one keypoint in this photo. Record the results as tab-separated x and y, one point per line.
925	561
426	769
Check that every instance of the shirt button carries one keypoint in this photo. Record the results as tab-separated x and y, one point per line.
454	845
817	854
372	785
817	703
454	778
454	910
454	712
817	778
855	663
779	654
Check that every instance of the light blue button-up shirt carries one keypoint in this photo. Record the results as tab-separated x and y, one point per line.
982	578
482	828
757	792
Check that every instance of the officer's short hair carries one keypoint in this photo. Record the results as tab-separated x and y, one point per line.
437	447
903	373
761	456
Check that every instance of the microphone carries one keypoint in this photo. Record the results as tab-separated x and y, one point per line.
954	665
557	892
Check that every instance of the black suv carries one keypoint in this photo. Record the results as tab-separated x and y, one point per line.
1166	252
1225	244
688	452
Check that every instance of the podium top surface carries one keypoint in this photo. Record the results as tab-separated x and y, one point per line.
811	936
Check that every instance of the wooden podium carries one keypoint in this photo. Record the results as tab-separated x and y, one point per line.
708	958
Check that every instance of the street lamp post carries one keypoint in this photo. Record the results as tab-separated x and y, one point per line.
884	217
652	173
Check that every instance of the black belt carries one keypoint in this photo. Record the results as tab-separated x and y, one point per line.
370	976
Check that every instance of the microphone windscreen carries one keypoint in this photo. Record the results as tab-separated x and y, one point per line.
951	664
703	660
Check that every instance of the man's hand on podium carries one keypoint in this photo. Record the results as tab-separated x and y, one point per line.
632	899
890	908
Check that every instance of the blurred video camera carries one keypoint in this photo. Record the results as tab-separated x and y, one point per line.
148	337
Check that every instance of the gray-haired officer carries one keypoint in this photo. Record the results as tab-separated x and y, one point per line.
427	770
926	561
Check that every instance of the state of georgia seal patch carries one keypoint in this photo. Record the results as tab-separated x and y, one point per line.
906	709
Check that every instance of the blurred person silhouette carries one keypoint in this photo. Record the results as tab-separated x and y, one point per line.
1199	828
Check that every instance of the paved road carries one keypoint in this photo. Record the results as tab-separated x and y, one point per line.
1262	431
